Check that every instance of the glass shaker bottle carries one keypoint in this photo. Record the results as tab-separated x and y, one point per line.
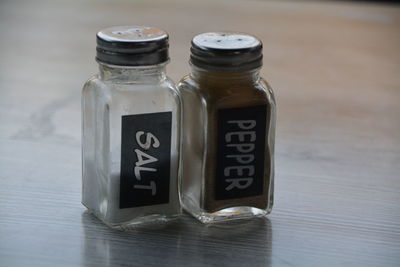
229	129
131	129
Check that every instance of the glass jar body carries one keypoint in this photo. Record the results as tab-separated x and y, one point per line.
227	162
112	105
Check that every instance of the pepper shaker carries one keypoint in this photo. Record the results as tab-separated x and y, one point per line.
229	129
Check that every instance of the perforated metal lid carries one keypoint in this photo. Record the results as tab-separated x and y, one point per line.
226	51
132	46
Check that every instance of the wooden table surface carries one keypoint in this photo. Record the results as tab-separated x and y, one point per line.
335	70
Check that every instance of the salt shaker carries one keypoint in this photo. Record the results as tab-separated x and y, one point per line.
131	130
229	129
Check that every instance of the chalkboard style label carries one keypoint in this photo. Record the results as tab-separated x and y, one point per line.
145	159
240	155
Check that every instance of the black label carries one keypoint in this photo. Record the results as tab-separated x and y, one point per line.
240	155
145	159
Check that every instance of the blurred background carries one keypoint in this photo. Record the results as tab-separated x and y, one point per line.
337	60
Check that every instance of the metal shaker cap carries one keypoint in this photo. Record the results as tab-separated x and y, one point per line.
132	46
226	51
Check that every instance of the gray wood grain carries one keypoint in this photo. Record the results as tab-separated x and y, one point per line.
335	70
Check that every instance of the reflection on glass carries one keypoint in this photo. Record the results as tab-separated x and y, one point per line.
183	242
